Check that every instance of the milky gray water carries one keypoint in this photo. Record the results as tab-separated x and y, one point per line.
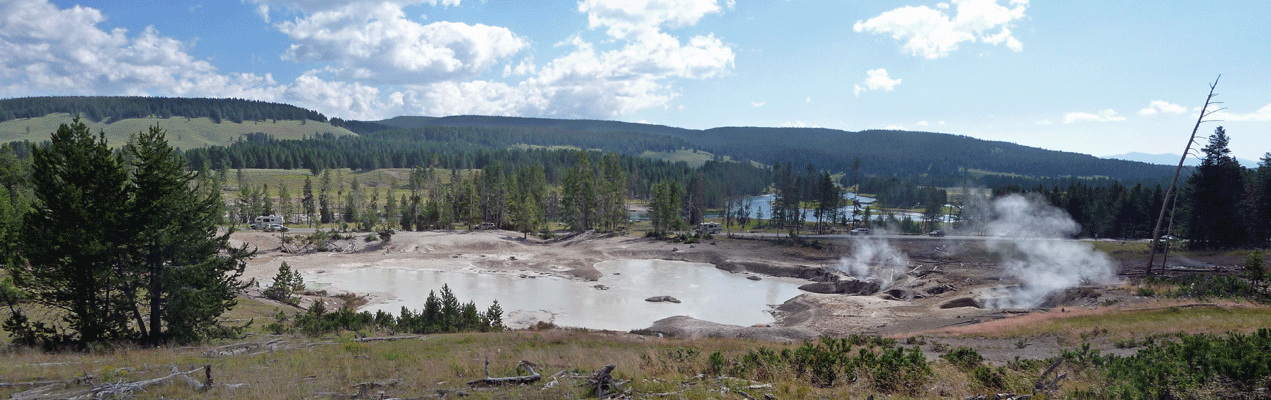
705	292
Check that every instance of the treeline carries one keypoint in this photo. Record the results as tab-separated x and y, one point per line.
99	109
1114	211
454	147
104	246
906	153
441	314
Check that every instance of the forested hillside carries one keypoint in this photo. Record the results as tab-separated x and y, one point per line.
938	158
98	109
881	152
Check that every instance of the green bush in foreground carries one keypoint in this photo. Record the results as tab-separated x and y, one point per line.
441	314
1165	370
830	362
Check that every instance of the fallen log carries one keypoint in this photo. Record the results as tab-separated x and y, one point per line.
603	382
387	338
509	380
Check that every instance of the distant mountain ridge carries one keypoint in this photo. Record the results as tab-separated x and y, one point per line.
879	152
1169	159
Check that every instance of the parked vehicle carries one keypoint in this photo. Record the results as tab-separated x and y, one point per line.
276	228
484	226
860	231
936	233
266	220
708	228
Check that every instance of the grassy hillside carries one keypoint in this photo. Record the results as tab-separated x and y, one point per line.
694	158
185	133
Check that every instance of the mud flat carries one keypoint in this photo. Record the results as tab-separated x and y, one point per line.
939	286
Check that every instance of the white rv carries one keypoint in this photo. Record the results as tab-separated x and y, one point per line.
266	220
710	228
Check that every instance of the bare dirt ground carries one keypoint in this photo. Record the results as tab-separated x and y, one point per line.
939	291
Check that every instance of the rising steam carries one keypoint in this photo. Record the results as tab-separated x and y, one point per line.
1032	238
874	259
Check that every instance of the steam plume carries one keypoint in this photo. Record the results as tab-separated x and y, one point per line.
1031	237
874	259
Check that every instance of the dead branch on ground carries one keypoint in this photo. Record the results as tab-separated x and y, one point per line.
510	380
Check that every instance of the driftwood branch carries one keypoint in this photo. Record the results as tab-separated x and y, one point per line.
1046	386
603	381
56	389
510	380
388	338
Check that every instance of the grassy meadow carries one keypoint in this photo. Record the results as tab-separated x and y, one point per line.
184	133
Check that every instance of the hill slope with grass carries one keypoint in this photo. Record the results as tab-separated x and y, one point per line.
183	133
195	123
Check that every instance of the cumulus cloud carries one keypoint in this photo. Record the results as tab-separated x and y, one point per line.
934	33
1108	115
46	49
1158	106
370	61
314	6
376	42
1262	115
876	79
757	104
629	19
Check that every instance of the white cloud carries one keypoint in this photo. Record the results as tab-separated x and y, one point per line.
932	33
314	6
895	127
922	123
625	19
876	79
263	11
808	100
1108	115
362	53
1262	115
1158	106
377	43
757	104
794	124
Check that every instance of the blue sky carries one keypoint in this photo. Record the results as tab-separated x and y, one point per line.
1094	77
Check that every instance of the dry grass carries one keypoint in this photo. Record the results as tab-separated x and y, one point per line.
1162	316
422	366
185	133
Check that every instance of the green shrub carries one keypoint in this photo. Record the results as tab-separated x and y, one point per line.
287	284
991	378
965	358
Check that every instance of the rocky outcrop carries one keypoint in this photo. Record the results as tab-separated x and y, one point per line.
849	286
659	299
682	326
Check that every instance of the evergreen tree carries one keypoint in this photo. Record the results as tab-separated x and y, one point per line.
285	205
306	202
578	194
1261	224
324	199
1214	195
74	258
176	249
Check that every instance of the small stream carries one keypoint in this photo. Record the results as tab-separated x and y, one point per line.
705	292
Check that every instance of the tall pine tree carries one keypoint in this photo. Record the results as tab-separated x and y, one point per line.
1214	195
73	243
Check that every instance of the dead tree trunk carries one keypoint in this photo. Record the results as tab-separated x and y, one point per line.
1172	191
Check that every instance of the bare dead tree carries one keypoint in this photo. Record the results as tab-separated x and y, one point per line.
1171	193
